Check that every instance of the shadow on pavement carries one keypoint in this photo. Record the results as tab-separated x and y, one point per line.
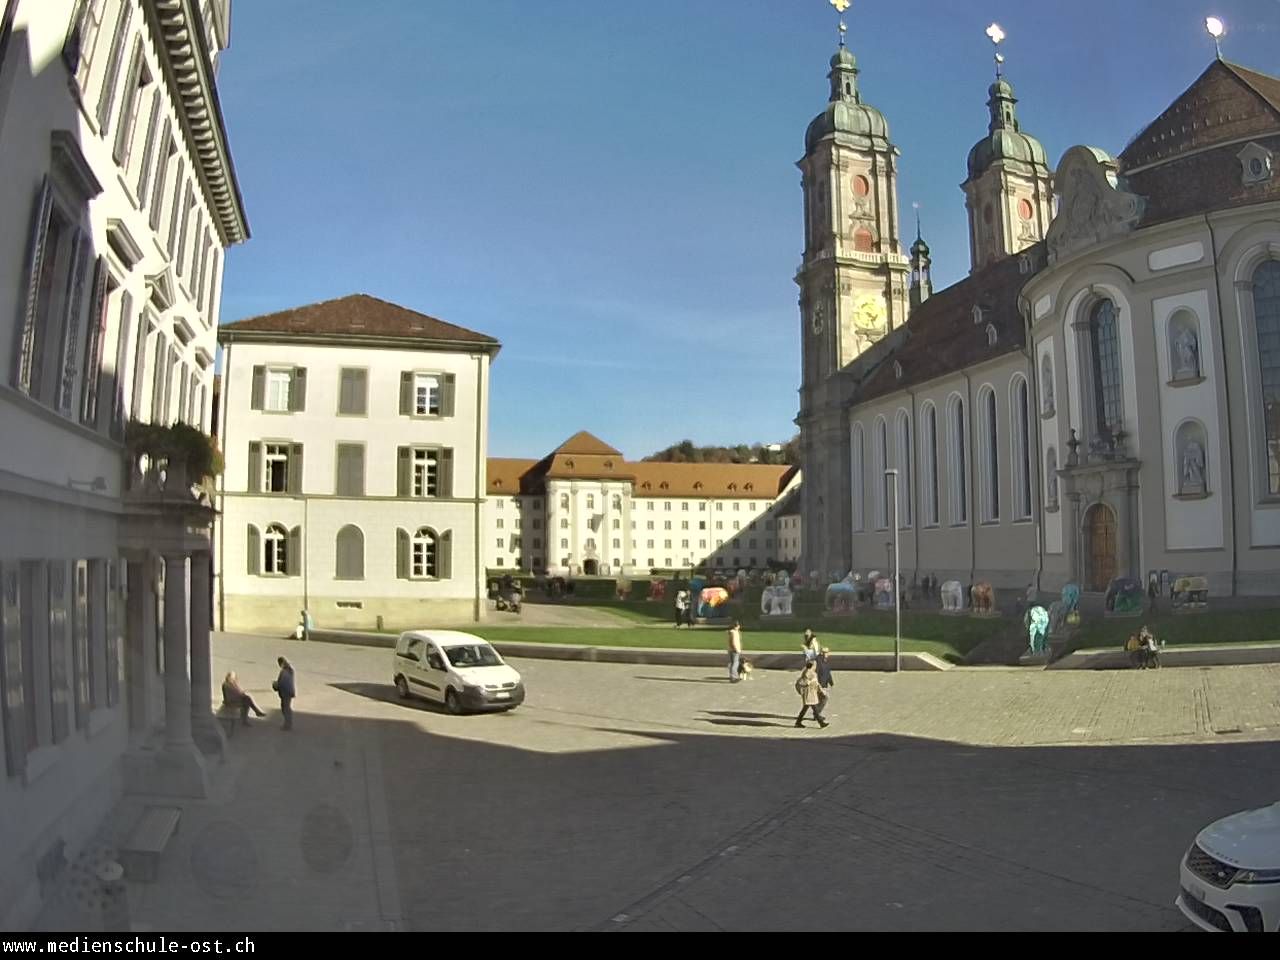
686	679
745	714
386	693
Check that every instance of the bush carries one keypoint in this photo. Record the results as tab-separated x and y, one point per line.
180	442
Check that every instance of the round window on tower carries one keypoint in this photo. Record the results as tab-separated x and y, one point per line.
1025	209
861	186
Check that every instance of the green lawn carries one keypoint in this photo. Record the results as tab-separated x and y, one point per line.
866	632
1236	626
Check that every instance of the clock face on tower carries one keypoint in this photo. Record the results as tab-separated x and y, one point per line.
870	317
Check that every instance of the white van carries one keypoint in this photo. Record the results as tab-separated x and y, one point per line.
460	670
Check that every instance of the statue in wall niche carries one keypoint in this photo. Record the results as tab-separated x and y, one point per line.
1186	349
1193	467
1053	489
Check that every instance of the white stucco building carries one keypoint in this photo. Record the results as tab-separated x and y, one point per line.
586	508
355	434
120	198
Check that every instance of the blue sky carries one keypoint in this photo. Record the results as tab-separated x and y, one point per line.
610	189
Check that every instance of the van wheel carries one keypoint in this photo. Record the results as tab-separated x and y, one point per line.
452	702
402	688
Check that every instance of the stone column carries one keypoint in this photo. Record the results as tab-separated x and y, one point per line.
204	728
178	769
177	681
140	600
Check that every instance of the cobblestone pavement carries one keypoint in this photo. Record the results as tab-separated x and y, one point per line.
624	797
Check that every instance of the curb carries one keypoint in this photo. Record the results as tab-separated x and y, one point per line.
765	660
1217	656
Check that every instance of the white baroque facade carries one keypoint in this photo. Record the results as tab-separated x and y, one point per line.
587	510
355	435
121	199
1100	397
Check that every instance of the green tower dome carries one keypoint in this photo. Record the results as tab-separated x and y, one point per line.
847	117
1005	140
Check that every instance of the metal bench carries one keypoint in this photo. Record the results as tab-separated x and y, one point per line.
140	855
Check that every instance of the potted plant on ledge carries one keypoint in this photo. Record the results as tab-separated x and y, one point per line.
169	460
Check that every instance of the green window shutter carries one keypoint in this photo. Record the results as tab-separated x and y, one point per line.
404	465
59	638
81	639
295	469
293	561
402	554
444	558
406	393
12	689
254	551
447	390
258	398
446	472
298	390
255	467
115	630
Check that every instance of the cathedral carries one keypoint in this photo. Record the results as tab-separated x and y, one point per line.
1098	398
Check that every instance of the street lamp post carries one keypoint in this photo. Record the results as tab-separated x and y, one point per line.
897	578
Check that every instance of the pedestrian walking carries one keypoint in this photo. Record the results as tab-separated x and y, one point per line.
285	686
735	651
811	695
810	646
682	607
1153	594
825	678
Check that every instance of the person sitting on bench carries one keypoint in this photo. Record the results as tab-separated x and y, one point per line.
234	698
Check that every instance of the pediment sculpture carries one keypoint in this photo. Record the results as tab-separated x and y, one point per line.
1095	205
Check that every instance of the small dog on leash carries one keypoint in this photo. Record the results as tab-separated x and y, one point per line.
744	671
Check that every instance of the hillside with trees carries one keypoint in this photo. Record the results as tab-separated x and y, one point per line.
687	452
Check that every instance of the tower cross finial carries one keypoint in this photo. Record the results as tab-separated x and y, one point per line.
1216	29
997	35
916	207
841	6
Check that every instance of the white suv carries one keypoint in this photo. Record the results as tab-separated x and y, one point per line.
1231	874
460	670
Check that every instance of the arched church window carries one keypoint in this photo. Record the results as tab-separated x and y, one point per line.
858	476
990	456
1021	403
1104	338
1266	312
906	480
863	240
957	461
929	464
880	463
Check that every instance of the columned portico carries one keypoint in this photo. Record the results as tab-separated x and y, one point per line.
165	523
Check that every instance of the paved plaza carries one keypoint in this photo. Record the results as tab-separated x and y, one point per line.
624	797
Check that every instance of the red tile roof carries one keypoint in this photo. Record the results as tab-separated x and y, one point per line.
649	479
583	442
356	316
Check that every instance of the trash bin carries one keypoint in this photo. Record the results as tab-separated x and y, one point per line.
114	897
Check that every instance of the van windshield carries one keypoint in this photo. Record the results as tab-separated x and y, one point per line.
476	655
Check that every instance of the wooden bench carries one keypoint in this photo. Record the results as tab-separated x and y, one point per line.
140	855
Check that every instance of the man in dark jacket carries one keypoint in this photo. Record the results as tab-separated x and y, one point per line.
284	685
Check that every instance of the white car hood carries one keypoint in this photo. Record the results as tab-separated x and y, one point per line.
1250	840
482	676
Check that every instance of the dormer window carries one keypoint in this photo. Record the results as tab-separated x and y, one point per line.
992	335
1258	163
977	314
897	370
569	464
